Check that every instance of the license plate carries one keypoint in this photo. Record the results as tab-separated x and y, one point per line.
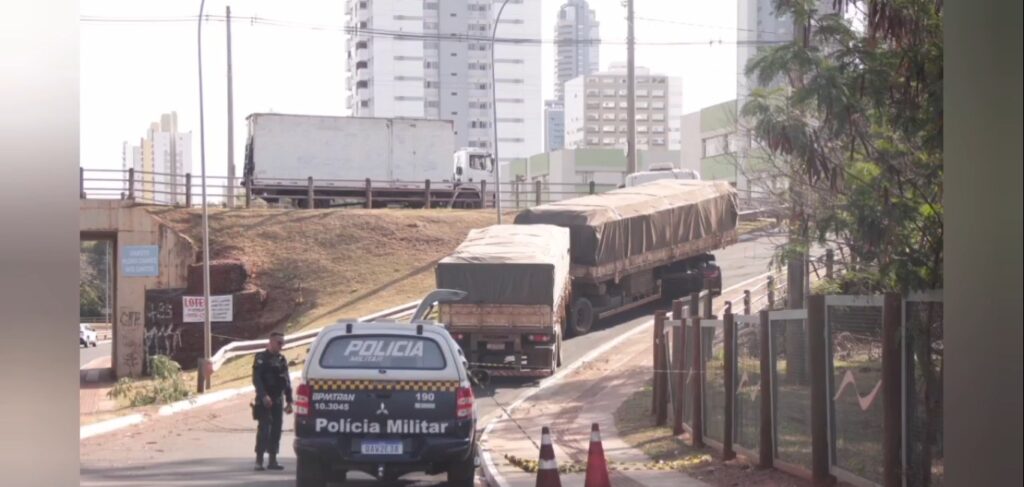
382	448
495	346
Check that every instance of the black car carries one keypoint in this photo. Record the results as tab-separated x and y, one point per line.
386	399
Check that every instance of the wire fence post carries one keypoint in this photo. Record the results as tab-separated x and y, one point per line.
310	199
188	190
593	188
771	292
678	345
766	448
369	193
746	301
536	190
483	193
248	194
661	367
426	194
892	384
131	184
515	191
729	335
819	390
697	423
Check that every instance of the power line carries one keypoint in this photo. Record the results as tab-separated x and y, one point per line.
414	36
707	26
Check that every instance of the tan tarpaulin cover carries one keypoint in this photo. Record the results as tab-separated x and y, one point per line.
628	222
509	264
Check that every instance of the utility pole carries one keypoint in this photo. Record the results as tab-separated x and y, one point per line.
630	92
207	329
494	112
231	121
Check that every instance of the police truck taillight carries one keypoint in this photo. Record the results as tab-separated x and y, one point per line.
302	395
464	403
538	338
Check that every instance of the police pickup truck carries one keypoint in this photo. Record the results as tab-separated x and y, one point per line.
387	399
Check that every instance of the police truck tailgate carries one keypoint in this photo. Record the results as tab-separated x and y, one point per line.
382	395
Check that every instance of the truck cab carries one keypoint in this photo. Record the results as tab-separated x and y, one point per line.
660	171
472	165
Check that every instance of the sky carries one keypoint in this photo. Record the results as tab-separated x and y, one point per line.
131	72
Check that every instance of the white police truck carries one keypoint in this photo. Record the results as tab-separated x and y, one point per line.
386	399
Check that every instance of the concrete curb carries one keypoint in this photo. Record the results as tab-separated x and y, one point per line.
102	427
115	424
490	469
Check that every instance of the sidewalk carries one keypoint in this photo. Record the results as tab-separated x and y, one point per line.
590	394
94	380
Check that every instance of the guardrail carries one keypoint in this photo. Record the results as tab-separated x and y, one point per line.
239	348
183	190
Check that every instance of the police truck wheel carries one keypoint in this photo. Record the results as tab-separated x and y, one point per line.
582	317
463	473
309	472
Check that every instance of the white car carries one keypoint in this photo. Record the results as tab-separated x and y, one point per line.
660	171
86	335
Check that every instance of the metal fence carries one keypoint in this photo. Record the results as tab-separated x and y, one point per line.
791	391
849	388
185	190
853	327
922	384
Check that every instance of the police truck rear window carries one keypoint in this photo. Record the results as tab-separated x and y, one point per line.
382	352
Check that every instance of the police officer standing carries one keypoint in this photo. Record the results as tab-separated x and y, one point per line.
273	388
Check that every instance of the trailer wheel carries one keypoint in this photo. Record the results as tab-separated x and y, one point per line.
582	318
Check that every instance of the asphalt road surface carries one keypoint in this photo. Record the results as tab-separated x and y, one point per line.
86	355
213	445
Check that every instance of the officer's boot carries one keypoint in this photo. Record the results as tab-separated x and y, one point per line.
273	465
259	463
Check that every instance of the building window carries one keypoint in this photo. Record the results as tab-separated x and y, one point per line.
714	146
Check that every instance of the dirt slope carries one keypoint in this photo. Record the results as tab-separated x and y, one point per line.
331	264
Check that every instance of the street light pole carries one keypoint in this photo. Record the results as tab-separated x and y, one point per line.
494	108
207	345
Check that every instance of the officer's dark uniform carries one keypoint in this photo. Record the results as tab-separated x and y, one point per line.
270	378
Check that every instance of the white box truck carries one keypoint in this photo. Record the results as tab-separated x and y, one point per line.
373	162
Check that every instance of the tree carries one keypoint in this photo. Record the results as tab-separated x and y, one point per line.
858	131
92	282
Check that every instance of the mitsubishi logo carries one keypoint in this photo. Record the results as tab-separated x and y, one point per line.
383	410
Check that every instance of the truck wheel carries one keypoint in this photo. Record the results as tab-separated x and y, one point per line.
582	317
463	473
309	472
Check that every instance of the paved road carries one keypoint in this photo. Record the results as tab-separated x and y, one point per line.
212	446
86	355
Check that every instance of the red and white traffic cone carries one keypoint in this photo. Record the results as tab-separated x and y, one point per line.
597	467
547	468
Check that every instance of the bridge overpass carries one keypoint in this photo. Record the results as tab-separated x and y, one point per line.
148	254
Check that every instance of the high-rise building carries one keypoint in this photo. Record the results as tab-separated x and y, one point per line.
432	59
577	47
759	26
554	125
595	110
577	43
160	161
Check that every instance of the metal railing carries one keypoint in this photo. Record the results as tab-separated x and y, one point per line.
184	190
241	348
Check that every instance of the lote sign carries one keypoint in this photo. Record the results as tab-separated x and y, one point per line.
221	309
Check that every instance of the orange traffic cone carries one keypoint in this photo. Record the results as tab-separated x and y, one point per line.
597	467
547	471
